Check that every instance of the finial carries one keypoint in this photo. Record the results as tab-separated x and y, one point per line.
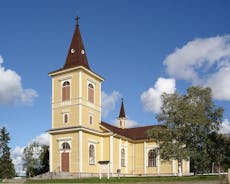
77	20
122	99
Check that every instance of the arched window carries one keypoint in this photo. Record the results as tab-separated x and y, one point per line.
66	91
122	157
65	146
91	93
66	118
152	156
90	119
91	154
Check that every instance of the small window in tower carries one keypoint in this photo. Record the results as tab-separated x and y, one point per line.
66	118
66	91
90	119
91	93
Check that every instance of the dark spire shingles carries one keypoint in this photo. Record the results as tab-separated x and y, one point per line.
76	54
122	110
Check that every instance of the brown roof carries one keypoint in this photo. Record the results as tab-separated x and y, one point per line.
76	54
122	110
137	133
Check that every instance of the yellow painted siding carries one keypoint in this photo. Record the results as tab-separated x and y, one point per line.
139	158
56	151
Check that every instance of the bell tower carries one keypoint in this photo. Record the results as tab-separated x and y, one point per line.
122	118
76	89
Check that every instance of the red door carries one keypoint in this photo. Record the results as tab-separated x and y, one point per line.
65	162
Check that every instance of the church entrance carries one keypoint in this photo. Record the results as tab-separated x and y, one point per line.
65	162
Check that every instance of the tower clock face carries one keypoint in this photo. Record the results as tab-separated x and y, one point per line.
82	52
72	51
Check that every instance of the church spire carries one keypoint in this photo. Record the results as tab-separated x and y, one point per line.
122	117
76	54
122	110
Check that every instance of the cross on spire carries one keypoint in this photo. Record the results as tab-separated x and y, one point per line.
77	20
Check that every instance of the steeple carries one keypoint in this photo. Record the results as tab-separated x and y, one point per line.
76	54
122	117
122	110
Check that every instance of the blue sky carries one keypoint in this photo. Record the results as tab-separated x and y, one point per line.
141	48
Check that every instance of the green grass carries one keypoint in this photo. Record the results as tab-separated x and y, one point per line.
162	179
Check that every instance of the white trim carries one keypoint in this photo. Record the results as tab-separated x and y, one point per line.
145	157
51	154
66	78
80	150
80	115
111	153
126	157
133	167
93	141
102	150
119	154
52	102
174	167
64	139
80	84
80	97
76	68
158	162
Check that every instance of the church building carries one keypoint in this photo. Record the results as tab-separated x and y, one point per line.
84	145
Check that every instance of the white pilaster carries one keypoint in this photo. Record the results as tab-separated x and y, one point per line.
80	98
119	157
158	163
133	158
102	148
144	157
51	154
126	157
174	167
80	150
111	153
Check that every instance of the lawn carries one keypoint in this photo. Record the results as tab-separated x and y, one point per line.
162	179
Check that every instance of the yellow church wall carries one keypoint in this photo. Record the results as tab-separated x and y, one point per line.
57	80
116	153
130	158
165	167
106	148
86	113
139	158
88	139
58	116
86	79
57	140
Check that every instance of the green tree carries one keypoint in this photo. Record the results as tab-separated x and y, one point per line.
218	150
6	164
188	120
44	159
31	159
36	159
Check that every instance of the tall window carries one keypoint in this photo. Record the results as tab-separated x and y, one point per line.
152	156
91	154
65	146
91	93
122	157
66	91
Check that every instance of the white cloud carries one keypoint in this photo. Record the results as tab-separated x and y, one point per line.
11	90
16	155
109	102
225	129
42	139
204	62
151	99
